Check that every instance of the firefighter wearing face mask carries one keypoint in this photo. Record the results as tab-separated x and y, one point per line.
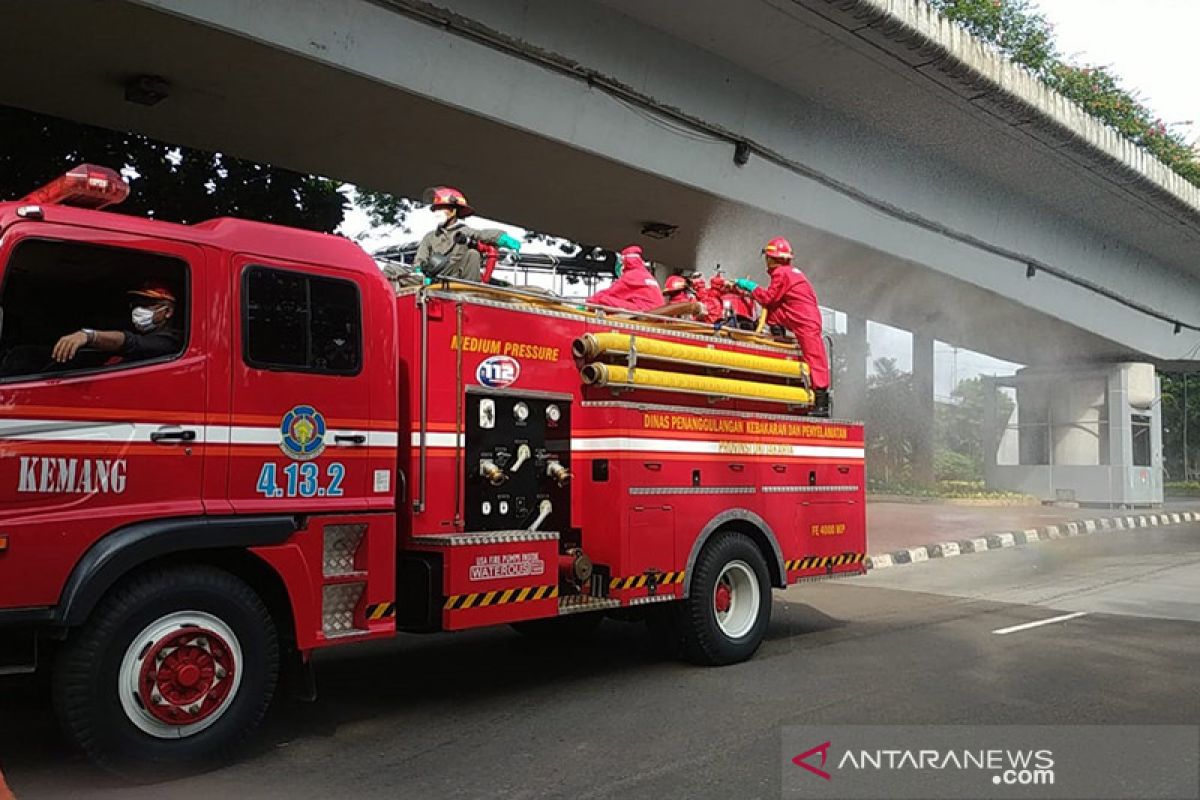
791	303
153	333
446	251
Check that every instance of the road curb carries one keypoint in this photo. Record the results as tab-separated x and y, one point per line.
1000	540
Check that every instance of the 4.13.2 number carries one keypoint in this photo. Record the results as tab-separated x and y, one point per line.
302	479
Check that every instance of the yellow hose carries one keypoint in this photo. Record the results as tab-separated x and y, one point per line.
594	345
615	375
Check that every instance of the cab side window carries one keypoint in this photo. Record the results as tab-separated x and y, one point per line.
56	289
299	322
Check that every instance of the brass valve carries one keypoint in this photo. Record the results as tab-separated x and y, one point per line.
493	473
558	472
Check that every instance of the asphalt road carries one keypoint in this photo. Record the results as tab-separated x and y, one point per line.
489	714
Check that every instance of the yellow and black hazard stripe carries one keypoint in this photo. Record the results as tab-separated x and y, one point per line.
640	581
378	611
821	562
460	602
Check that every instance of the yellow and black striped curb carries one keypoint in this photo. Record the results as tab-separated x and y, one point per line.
1065	529
820	562
378	611
639	581
459	602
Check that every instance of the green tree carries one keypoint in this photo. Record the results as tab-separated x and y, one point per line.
960	430
1173	413
1014	26
167	182
891	422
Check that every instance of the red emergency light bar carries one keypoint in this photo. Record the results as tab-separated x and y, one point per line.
85	186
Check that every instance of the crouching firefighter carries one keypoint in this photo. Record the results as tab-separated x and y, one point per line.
635	288
447	251
791	303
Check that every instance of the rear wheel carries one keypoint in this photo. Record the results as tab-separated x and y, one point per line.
725	615
175	667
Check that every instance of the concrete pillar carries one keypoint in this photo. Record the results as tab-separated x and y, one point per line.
922	361
1077	410
1120	431
850	398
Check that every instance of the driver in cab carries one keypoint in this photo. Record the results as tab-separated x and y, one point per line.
152	334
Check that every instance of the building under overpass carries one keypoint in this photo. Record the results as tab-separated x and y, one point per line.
930	184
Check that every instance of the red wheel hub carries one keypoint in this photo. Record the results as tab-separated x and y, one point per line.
186	676
723	598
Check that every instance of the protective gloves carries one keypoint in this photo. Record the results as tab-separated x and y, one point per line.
745	284
509	242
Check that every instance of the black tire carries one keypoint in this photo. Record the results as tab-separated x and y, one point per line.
571	628
88	671
703	638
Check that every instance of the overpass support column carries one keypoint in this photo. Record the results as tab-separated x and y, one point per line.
922	361
850	397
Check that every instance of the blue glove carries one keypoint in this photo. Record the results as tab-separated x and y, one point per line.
619	265
509	243
745	284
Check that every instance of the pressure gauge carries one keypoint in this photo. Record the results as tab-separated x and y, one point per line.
521	412
553	414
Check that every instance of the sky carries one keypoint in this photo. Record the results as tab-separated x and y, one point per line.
1150	44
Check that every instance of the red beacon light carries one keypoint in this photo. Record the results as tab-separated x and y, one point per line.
85	186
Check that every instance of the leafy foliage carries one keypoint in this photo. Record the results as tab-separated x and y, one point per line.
892	424
392	211
1024	35
166	182
1014	26
386	210
1173	424
942	490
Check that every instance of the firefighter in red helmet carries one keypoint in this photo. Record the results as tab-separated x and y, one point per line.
679	289
792	304
446	251
676	290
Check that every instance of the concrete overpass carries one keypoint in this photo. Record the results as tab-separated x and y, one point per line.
929	184
921	174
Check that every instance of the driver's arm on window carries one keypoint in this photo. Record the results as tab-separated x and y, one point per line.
104	341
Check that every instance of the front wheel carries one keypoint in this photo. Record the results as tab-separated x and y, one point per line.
175	667
725	615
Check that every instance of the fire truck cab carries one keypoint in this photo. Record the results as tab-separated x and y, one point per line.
310	455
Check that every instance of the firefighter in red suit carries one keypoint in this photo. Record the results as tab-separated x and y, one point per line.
791	303
679	289
635	288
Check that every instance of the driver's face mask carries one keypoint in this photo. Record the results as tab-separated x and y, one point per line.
142	318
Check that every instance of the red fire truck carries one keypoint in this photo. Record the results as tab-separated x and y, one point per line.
323	457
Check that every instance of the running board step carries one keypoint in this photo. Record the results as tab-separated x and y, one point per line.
577	603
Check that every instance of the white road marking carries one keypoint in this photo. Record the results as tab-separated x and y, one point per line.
1038	624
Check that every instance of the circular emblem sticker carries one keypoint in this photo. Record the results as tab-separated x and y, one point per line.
303	433
498	371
